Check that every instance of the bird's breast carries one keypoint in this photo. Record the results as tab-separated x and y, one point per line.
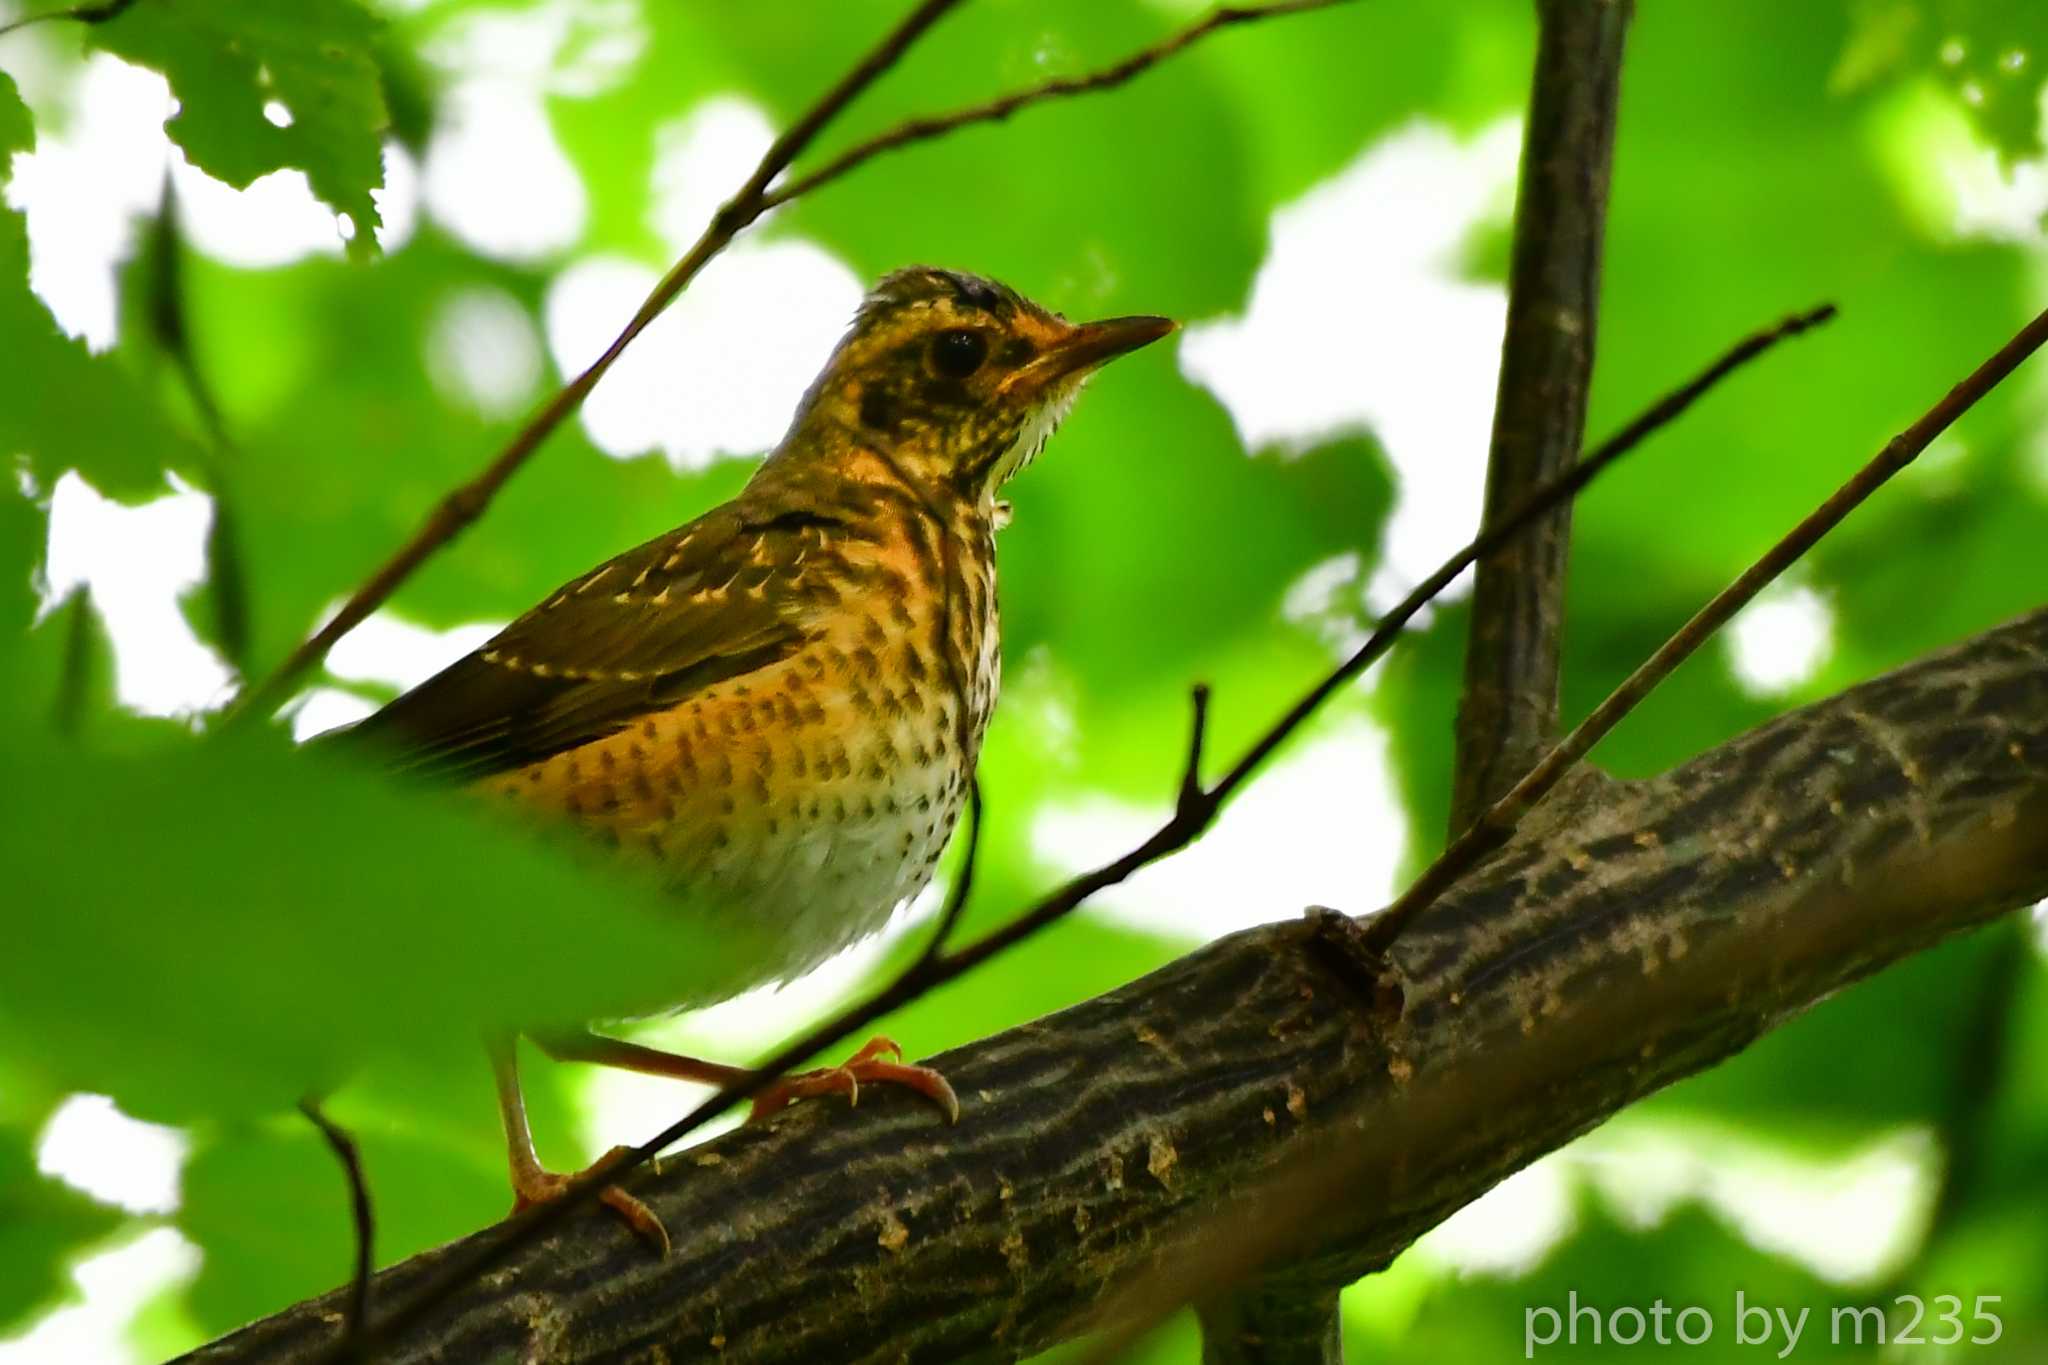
812	796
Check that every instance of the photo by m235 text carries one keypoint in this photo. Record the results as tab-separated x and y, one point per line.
1943	1320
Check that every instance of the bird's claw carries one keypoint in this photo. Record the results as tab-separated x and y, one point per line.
538	1187
878	1063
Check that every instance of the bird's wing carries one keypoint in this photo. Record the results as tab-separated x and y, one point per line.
723	596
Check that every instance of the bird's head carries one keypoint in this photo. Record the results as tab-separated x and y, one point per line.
959	380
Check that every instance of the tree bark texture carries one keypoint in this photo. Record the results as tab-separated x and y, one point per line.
1273	1324
1271	1100
1507	713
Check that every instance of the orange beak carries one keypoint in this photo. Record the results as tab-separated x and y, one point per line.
1088	346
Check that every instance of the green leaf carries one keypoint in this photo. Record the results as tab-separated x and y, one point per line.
1859	1064
259	922
1993	56
1990	55
64	407
17	125
43	1227
269	1207
227	60
1689	1259
23	530
69	409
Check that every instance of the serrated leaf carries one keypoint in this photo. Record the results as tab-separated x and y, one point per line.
229	61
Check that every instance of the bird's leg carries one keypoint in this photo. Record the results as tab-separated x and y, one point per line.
599	1050
872	1063
533	1183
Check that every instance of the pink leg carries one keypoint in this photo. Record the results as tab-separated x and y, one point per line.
533	1183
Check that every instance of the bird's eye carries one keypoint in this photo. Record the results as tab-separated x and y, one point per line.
959	353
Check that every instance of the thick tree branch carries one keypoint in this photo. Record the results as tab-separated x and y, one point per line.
1273	1324
1630	935
1507	713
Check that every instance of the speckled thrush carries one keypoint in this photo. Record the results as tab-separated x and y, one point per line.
781	703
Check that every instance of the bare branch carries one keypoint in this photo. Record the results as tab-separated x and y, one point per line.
1567	485
913	131
358	1311
956	899
1500	821
1191	792
1507	711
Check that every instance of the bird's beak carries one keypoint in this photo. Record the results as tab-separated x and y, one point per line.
1088	346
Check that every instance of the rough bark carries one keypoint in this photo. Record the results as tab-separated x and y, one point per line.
1262	1101
1507	713
1273	1323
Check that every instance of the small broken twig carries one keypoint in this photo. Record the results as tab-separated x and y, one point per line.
365	1223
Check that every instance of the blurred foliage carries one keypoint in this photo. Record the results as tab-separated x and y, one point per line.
263	87
211	930
1991	54
65	408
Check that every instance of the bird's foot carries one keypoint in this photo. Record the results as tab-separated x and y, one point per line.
873	1064
536	1186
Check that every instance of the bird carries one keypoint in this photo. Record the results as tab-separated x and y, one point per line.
779	705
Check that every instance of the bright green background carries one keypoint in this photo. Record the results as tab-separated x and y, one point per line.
205	932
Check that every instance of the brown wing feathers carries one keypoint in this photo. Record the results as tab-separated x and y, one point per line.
713	600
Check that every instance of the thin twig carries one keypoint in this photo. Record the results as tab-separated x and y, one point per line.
956	899
1584	472
366	1229
462	506
913	131
1198	732
1191	816
84	14
1501	820
466	503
